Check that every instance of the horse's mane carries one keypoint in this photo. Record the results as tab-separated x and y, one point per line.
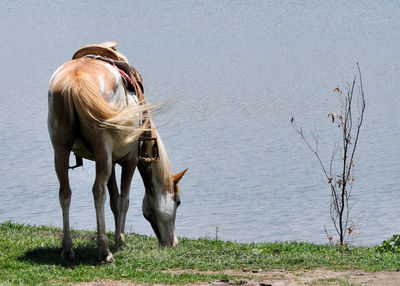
163	167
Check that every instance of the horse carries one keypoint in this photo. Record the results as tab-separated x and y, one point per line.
91	114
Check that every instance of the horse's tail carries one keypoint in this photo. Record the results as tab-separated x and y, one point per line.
82	97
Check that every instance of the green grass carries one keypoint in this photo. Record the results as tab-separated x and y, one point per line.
31	255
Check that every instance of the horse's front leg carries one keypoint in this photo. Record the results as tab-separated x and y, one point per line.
128	169
61	162
103	172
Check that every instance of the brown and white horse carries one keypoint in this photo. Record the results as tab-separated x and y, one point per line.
91	114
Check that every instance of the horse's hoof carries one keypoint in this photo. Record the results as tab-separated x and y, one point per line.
120	241
107	258
110	258
68	254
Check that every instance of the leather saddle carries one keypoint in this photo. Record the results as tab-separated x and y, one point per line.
107	52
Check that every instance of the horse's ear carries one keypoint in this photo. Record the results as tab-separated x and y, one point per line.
177	177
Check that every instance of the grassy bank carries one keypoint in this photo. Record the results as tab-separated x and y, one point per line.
31	255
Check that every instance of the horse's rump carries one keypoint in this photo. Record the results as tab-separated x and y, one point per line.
82	97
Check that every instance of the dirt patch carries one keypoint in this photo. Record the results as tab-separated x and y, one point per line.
282	277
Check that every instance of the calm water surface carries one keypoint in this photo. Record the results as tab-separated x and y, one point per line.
233	73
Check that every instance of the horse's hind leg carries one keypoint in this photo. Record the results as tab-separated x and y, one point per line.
103	157
62	138
114	194
61	160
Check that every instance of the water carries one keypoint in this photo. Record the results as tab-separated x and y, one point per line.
233	74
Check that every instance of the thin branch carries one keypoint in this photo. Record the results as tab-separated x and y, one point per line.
341	184
313	150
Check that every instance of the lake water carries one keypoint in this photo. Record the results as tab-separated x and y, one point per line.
233	74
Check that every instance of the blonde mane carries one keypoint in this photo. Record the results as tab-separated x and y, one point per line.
163	167
156	166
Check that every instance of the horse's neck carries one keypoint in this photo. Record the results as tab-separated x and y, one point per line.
160	168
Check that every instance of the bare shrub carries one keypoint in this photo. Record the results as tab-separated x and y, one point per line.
339	176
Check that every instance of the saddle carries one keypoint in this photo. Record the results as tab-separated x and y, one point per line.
107	52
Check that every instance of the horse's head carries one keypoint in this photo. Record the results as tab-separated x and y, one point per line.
161	198
159	208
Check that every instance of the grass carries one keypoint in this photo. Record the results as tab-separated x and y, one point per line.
31	255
